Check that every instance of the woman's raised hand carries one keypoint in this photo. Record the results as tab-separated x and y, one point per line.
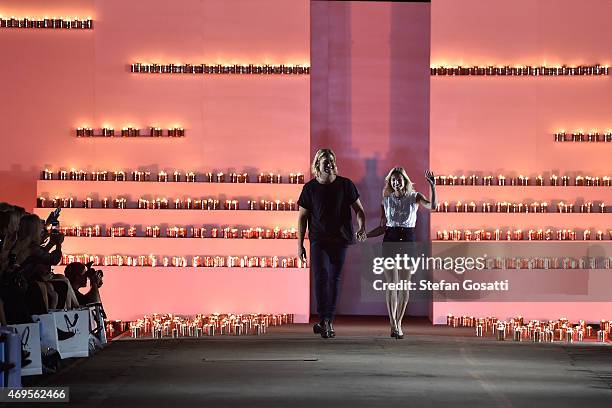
430	177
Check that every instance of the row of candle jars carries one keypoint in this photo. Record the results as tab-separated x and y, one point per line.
70	202
217	261
560	330
501	180
46	22
289	262
167	325
164	203
213	204
111	260
510	207
581	137
154	231
114	328
527	70
84	231
129	132
519	235
220	177
227	232
247	262
187	204
219	69
553	262
163	176
269	205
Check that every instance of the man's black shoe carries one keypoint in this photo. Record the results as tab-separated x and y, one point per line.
330	329
318	328
327	329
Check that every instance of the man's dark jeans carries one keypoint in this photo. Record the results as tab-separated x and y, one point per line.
326	261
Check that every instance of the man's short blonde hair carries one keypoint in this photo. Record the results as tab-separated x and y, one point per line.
322	153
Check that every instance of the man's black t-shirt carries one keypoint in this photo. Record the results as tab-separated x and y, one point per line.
330	210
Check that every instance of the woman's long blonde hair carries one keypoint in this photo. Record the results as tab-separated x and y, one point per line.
408	184
13	217
28	236
321	153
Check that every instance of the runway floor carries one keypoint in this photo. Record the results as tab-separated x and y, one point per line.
362	367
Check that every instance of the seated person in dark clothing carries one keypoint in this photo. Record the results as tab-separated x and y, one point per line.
26	289
13	289
40	295
10	219
36	261
78	274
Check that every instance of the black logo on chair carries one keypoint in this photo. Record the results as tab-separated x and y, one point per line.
71	329
25	338
98	326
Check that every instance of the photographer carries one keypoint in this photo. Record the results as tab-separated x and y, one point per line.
29	247
79	274
53	236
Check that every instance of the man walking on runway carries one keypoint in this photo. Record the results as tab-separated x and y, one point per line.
325	209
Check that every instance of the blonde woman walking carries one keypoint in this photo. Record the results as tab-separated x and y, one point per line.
397	222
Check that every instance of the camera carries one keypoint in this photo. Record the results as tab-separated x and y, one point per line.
53	217
53	221
92	273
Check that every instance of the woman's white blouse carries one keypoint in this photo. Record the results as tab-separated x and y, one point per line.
401	211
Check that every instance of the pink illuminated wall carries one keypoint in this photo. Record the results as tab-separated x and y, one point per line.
370	103
55	81
505	125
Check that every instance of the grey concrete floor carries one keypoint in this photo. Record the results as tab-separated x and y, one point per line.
362	367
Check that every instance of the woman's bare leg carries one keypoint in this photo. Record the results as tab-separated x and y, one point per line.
402	296
391	298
